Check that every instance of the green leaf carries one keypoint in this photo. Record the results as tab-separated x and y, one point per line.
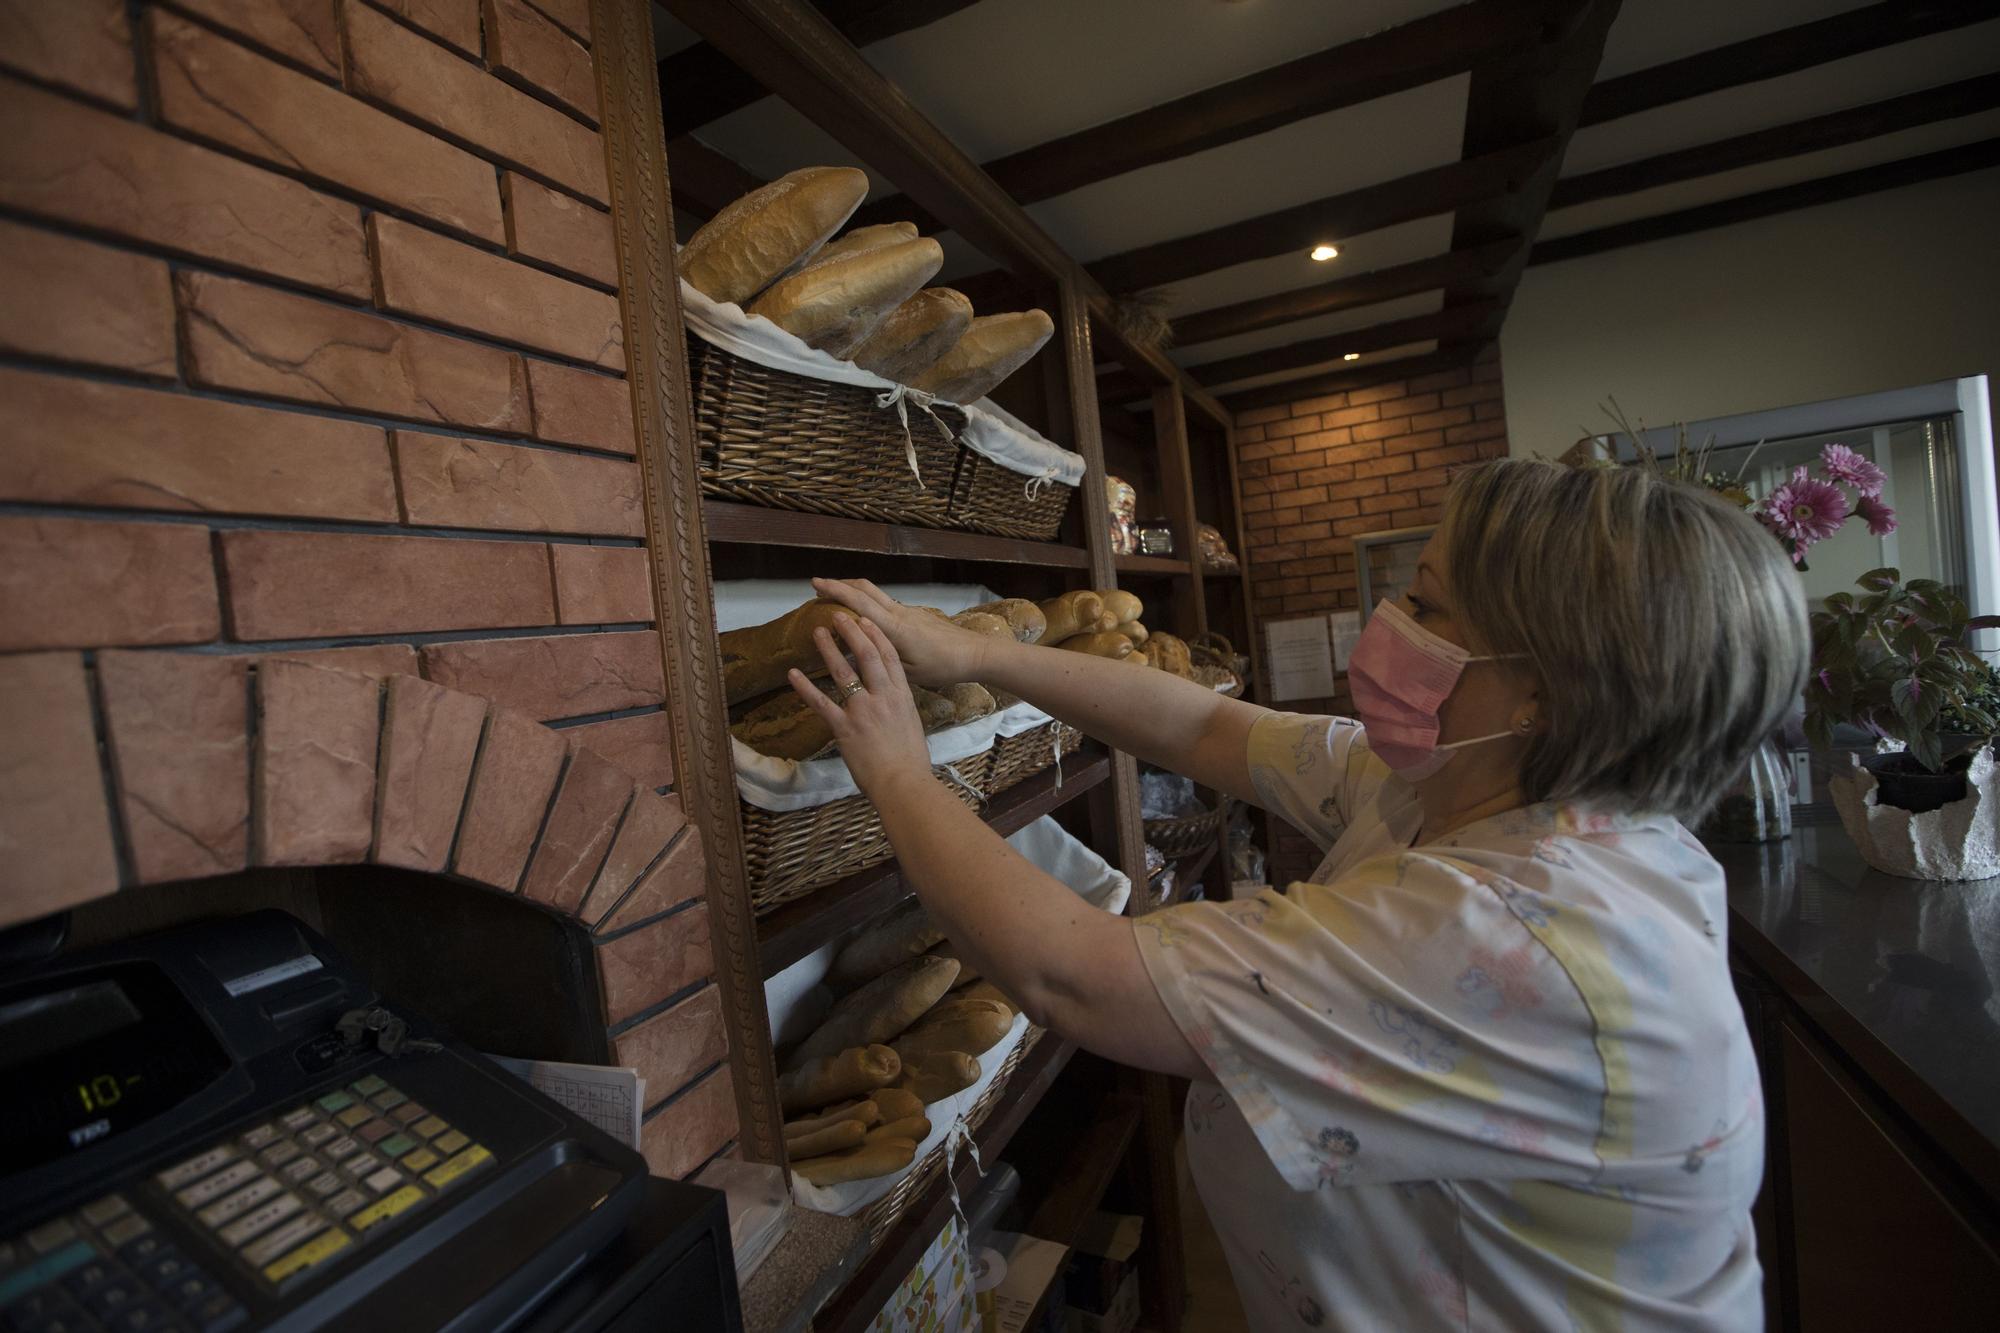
1879	580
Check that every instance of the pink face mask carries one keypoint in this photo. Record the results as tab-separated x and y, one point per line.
1400	675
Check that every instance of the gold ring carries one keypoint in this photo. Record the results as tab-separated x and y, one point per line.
852	688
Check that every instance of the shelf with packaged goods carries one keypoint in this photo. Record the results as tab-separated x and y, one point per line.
803	925
752	525
1152	565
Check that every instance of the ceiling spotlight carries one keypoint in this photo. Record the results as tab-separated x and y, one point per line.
1322	253
1352	356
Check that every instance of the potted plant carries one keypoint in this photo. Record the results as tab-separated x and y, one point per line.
1894	662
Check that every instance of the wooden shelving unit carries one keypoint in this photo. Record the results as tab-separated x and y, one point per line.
749	525
1153	564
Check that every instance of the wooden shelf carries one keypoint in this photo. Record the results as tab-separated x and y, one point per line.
804	924
753	525
1152	564
1088	1164
856	1304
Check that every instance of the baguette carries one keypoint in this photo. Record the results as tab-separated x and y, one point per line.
1102	643
969	702
939	1074
861	239
891	944
896	1104
911	338
823	1080
1122	604
870	1160
882	1009
984	622
917	1128
1022	616
834	306
756	658
865	1114
967	973
1071	614
992	348
768	232
785	727
957	1005
985	990
972	1030
841	1134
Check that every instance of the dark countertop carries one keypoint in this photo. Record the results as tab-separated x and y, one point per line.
1902	975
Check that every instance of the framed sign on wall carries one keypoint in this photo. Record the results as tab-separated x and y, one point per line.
1385	564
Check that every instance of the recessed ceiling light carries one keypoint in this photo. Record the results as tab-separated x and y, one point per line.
1352	356
1322	253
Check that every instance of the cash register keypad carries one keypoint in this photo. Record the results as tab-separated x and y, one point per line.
285	1195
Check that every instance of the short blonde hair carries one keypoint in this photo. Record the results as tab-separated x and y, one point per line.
1667	626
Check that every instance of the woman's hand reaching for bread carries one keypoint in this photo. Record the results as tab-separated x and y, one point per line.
933	651
871	714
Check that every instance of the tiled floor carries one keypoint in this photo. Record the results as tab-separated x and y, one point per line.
1212	1303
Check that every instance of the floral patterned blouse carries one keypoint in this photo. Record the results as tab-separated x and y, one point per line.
1497	1082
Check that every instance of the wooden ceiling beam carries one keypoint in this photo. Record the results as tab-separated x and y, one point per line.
1832	130
700	84
1783	52
1409	55
1327	298
1766	203
705	181
1447	357
1421	194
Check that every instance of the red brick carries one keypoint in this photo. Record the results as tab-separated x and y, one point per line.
388	63
1324	475
178	733
1366	523
1432	495
1451	416
65	440
1279	430
374	659
215	90
1242	435
602	585
1490	411
674	1141
588	807
434	277
62	160
1472	393
1376	393
512	781
1268	449
453	22
457	483
79	583
1332	509
1354	453
1332	402
315	777
1352	416
1382	467
572	15
310	585
429	737
558	230
69	300
1297	462
56	846
1255	504
680	875
554	676
1256	485
1258	416
1298	497
641	745
1325	439
1382	430
527	49
1445	457
650	827
241	336
643	967
1486	372
582	408
1478	430
1383	504
304	32
1443	379
1409	406
1414	481
85	45
1302	532
1257	468
673	1047
1361	486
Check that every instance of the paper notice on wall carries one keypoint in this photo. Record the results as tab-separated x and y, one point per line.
610	1098
1299	658
1344	628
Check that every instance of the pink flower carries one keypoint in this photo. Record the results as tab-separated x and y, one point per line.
1843	465
1806	509
1881	518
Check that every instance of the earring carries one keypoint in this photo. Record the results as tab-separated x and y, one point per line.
1525	725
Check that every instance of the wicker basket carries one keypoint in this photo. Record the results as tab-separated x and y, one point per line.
883	1213
791	853
990	498
1212	649
1188	835
1216	677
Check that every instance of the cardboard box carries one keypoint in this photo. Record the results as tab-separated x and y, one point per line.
936	1295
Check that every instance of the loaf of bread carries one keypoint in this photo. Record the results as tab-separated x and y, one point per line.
860	239
1133	630
967	973
986	990
940	1074
784	727
1122	604
832	1138
992	348
911	338
880	1158
834	306
825	1079
1071	614
865	1114
916	1129
1023	617
896	1104
880	1010
1170	653
756	658
958	1005
984	622
906	933
1101	643
973	1029
770	231
969	702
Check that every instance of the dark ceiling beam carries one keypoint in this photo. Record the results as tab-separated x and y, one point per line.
1449	357
1327	298
1781	141
1783	52
700	84
1766	203
1436	46
1419	195
704	180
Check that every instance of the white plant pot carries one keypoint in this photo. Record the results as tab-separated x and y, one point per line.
1956	841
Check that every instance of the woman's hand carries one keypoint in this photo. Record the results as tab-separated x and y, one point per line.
932	650
876	726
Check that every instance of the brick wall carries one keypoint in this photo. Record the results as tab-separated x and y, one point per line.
310	347
1321	471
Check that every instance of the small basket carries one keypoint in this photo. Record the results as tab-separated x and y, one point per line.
1212	649
1220	679
882	1215
1188	835
993	499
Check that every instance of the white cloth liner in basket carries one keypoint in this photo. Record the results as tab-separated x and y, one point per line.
797	1000
989	431
783	785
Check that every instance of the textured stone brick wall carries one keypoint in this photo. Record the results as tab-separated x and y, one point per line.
310	349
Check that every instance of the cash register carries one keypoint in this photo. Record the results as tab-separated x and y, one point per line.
224	1128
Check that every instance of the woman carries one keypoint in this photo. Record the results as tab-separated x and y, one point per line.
1485	1068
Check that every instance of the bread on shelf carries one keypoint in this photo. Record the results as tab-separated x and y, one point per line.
765	234
992	348
912	337
835	305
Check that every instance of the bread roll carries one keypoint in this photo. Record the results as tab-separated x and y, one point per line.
934	710
1071	614
882	1009
1133	630
824	1080
1103	643
756	658
993	347
974	1030
865	1114
832	1138
784	727
969	702
957	1005
1022	616
749	244
1170	653
861	239
834	306
939	1074
911	338
896	1104
985	990
880	1158
905	934
1122	604
916	1129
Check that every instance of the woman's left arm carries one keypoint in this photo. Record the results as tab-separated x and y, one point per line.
1073	968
